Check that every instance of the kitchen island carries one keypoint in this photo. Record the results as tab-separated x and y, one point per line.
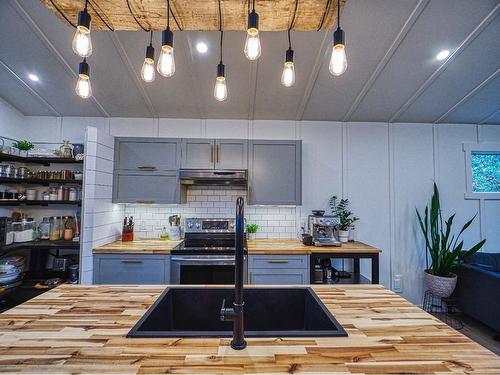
75	329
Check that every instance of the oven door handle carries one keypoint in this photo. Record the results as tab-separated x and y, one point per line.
229	261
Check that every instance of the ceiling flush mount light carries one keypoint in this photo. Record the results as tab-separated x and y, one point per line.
252	44
148	68
82	44
220	89
166	61
443	54
202	47
33	77
83	88
338	59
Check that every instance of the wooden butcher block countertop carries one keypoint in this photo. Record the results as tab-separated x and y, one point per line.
254	247
81	329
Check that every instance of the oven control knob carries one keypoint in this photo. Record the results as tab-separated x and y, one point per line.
190	224
198	225
231	225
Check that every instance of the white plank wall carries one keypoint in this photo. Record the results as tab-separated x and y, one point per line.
385	169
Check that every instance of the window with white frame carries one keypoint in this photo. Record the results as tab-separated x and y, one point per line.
483	170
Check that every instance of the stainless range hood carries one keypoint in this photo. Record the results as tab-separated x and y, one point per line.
213	177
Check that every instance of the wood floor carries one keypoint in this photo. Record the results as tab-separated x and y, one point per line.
480	333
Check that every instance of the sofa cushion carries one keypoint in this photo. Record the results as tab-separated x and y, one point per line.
489	261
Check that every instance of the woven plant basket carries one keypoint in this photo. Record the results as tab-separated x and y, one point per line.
440	286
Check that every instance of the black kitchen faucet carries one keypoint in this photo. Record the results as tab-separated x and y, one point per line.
235	314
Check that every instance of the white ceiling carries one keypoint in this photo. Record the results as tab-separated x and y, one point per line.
393	74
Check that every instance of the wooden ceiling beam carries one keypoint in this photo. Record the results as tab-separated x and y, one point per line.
201	15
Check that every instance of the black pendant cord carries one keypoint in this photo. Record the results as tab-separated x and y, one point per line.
99	15
292	24
62	14
86	3
168	14
135	19
325	12
220	30
338	14
151	37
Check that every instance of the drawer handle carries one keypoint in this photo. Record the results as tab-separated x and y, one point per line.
132	261
251	278
146	168
278	261
144	201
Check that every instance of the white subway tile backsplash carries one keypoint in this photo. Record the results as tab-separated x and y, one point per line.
213	202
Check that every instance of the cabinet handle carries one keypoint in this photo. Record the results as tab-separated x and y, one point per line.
278	261
218	153
132	261
146	168
211	153
251	278
145	201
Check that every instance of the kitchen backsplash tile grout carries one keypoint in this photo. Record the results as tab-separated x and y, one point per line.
273	221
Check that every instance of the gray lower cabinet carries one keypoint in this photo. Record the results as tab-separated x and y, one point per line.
275	172
147	154
278	269
148	187
131	269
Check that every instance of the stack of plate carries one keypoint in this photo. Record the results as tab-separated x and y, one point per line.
11	270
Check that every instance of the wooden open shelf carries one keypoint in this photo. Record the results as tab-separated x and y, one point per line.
35	160
38	203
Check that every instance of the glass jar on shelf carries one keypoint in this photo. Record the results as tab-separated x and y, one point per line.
69	225
55	228
44	229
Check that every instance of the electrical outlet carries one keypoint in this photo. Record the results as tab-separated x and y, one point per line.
397	283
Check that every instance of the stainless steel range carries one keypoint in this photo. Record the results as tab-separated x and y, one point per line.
207	254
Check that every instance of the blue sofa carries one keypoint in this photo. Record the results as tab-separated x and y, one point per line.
478	288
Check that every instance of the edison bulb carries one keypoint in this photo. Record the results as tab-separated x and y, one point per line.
148	70
252	44
338	60
83	88
220	90
166	62
288	75
82	44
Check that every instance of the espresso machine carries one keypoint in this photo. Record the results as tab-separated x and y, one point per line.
322	229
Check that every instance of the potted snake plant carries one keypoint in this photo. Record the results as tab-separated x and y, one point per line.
444	250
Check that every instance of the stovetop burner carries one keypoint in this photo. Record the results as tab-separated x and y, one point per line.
208	236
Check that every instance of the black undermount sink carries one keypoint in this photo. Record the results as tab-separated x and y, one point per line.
268	312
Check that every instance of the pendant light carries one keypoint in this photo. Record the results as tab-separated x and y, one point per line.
338	59
82	44
252	44
83	88
288	74
220	89
148	68
166	61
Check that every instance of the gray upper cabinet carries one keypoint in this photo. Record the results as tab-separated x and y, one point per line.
275	172
147	154
214	154
231	154
147	187
198	153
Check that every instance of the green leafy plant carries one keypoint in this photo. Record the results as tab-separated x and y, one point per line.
441	246
23	145
252	228
339	209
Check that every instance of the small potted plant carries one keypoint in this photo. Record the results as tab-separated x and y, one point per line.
23	147
346	218
252	230
443	248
